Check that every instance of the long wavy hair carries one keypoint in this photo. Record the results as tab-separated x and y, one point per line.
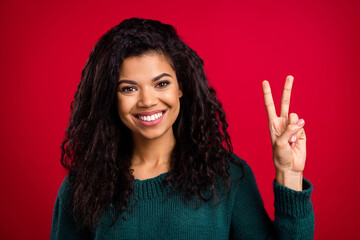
97	145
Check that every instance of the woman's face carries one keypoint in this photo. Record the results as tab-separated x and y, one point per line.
148	96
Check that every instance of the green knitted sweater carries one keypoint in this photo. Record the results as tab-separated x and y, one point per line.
240	214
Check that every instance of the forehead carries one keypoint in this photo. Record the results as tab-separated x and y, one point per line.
146	65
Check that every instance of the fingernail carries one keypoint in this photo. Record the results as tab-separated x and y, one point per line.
293	138
300	122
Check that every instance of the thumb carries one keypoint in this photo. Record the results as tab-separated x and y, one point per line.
291	129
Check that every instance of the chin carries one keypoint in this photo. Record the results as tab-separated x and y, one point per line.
153	135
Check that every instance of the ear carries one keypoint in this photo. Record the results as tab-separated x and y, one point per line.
180	90
180	93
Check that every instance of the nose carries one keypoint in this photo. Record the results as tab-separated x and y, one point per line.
147	98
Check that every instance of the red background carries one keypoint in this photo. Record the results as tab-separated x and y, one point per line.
45	44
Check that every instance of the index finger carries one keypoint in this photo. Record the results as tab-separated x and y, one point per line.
268	99
285	99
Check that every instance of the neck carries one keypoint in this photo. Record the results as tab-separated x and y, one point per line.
152	153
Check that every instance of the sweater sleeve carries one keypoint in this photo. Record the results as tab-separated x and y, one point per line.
294	216
63	224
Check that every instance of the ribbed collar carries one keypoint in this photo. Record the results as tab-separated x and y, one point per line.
151	188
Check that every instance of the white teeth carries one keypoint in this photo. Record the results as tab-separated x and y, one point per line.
151	117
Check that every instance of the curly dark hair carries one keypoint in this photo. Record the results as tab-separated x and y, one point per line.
97	146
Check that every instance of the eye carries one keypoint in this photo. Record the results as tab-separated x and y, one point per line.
127	89
162	84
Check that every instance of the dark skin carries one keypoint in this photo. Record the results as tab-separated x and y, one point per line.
148	104
288	138
148	83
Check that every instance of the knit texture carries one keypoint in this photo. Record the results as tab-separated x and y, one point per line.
240	214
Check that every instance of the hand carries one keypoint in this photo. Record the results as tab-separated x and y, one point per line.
288	138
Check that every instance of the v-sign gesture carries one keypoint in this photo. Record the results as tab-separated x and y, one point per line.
288	138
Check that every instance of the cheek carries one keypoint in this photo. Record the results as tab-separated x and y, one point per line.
123	107
174	101
172	97
123	112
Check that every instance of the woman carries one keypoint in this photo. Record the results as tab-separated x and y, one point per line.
149	155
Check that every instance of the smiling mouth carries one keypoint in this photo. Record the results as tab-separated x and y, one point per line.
150	117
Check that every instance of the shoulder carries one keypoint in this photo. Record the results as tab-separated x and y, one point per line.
239	168
64	193
241	174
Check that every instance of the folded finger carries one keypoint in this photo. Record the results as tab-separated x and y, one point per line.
291	129
299	136
293	118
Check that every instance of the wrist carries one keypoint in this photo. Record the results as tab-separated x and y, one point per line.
290	179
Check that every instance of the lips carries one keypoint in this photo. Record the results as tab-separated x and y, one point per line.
148	117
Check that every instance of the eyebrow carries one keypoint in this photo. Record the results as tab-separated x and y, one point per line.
154	79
